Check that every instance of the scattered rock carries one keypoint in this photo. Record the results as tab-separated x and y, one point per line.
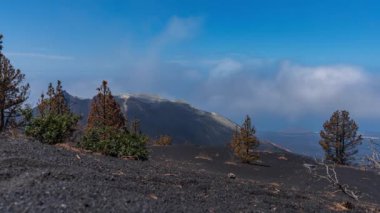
231	175
231	163
203	157
170	174
119	173
153	196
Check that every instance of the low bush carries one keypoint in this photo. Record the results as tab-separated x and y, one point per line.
163	140
52	128
114	142
54	122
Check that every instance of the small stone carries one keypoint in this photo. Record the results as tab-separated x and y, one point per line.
153	196
63	205
231	175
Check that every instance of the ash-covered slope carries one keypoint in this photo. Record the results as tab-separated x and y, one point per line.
36	177
184	123
181	121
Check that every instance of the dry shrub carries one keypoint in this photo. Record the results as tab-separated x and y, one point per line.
163	140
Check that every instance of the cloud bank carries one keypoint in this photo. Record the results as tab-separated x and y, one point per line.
293	90
232	85
236	85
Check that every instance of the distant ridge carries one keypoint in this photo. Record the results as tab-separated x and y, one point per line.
178	119
183	122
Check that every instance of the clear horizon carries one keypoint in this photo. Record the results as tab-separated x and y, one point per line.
287	64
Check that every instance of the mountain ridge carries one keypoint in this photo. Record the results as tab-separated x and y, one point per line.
180	120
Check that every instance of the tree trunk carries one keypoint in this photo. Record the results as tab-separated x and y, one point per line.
2	120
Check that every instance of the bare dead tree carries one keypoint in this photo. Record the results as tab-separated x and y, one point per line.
331	176
374	158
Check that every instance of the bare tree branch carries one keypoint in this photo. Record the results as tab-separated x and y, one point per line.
332	177
374	158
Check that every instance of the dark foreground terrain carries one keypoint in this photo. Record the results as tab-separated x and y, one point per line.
42	178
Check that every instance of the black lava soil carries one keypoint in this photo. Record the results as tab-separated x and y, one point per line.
42	178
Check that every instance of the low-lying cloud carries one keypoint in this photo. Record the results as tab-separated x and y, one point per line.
294	90
232	85
224	68
235	86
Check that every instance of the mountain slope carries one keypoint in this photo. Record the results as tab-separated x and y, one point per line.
184	123
179	120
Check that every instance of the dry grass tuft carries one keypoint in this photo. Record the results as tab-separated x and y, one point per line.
231	163
203	156
70	147
341	207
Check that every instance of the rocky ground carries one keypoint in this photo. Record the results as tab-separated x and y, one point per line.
43	178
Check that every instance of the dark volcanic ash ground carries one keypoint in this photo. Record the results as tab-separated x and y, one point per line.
43	178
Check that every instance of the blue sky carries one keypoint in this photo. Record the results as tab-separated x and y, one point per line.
280	61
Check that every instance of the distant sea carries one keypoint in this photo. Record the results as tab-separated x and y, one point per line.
307	143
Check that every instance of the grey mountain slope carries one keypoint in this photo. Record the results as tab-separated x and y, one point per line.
179	120
184	123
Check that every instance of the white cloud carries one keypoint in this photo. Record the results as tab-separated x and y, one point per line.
150	70
180	28
292	90
234	84
176	30
312	86
225	68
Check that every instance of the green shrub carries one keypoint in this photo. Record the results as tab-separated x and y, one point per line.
52	128
54	122
114	142
107	130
